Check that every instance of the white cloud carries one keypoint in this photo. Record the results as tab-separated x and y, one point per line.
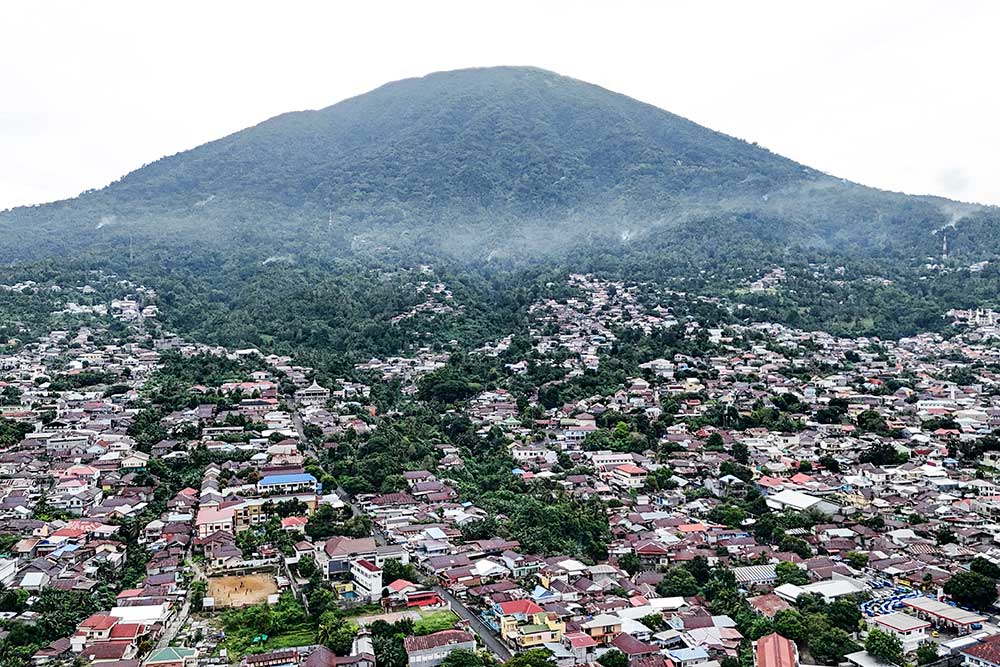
891	94
954	181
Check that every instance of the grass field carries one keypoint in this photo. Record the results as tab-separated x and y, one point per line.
435	621
300	635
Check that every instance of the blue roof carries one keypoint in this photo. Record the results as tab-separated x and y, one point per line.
287	479
541	592
65	548
688	653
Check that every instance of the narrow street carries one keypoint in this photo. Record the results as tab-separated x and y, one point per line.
476	624
175	625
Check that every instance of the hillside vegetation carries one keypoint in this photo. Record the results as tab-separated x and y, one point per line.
472	163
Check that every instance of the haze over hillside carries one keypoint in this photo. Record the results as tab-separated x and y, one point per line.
470	163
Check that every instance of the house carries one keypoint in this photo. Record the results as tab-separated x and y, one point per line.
133	461
54	651
367	579
637	651
910	631
95	628
523	624
35	581
430	650
602	628
294	524
773	650
211	520
755	574
984	654
686	657
799	502
173	656
768	605
360	656
629	476
400	588
280	658
580	647
109	651
335	555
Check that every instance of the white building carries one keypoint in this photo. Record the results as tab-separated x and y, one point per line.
910	631
312	395
367	579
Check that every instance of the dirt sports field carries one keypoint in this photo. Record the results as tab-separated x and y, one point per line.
239	591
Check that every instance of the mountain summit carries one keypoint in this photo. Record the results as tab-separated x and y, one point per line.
473	162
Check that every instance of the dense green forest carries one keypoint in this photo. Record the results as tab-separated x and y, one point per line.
498	162
334	314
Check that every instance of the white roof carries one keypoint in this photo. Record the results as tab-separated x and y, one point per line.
33	579
946	611
789	591
484	566
572	565
601	620
794	499
901	622
633	627
436	533
866	659
147	614
834	588
655	606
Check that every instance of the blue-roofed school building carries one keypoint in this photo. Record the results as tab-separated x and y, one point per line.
292	483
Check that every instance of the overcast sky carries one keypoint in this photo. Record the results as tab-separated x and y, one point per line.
898	95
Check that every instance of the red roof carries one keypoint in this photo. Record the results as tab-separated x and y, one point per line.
399	585
988	650
127	630
99	622
580	640
371	567
68	532
519	607
769	604
651	548
130	593
691	527
773	650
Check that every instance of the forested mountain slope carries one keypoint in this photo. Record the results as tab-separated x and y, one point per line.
473	163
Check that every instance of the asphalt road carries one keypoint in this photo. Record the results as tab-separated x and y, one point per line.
489	639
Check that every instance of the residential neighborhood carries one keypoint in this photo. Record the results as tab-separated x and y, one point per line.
754	494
